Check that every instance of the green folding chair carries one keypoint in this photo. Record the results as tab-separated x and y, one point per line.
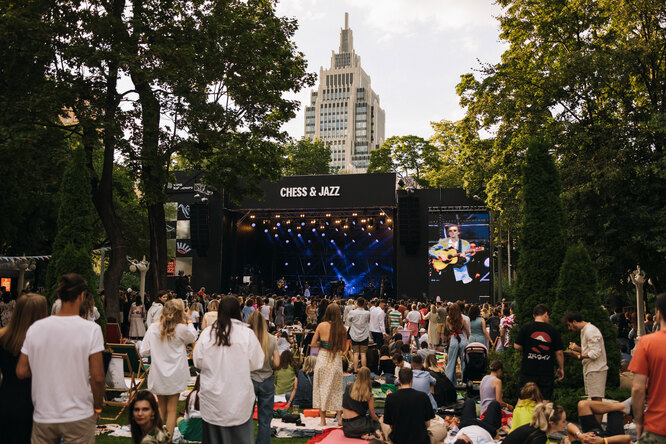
136	363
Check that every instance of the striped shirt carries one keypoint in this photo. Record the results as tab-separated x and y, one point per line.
394	318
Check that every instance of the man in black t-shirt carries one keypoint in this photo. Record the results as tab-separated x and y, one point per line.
541	345
407	415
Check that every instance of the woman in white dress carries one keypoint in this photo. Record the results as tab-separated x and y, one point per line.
137	317
165	342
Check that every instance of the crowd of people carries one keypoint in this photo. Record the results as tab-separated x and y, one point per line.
319	353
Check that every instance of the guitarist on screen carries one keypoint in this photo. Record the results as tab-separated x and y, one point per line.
453	251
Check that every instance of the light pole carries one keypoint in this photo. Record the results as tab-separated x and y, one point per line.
26	264
142	266
638	278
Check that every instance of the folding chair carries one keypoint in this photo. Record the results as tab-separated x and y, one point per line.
114	334
131	385
134	358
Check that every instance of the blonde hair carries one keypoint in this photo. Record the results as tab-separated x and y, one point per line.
213	305
362	389
257	323
431	364
545	414
531	391
173	314
309	364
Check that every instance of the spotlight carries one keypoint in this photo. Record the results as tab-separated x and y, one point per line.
363	221
278	224
377	240
253	225
287	241
321	227
289	230
369	227
288	221
309	241
332	241
376	264
265	230
353	264
308	264
286	264
354	240
302	215
337	221
303	224
314	230
298	228
313	221
323	234
362	228
276	235
389	228
252	217
382	214
388	219
354	214
331	264
345	227
277	216
328	214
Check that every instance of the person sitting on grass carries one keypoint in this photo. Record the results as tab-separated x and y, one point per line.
357	403
347	376
285	373
190	426
530	396
491	387
546	420
145	421
593	433
445	392
302	394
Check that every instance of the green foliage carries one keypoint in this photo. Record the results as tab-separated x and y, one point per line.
406	156
577	290
306	156
73	243
130	280
592	76
542	242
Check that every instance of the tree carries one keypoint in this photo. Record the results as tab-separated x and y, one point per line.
577	290
591	76
542	242
201	80
73	242
306	156
406	156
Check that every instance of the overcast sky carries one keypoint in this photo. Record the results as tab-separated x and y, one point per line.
413	50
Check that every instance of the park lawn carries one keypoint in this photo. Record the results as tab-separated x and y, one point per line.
122	420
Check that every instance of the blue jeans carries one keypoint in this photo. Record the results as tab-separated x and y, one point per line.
265	393
456	348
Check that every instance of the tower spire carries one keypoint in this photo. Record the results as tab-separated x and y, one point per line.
346	20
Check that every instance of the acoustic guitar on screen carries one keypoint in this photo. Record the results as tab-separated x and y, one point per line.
451	256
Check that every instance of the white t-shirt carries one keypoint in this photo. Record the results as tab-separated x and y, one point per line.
226	396
414	316
194	316
397	369
58	350
266	312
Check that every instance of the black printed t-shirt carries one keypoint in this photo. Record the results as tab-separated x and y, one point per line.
540	341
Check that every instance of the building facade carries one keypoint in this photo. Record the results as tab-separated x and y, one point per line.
344	111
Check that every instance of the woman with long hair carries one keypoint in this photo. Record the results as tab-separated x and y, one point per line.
211	315
302	394
457	341
433	319
190	425
226	353
477	327
445	392
331	337
357	403
262	379
15	398
529	397
311	312
285	373
547	419
145	422
166	342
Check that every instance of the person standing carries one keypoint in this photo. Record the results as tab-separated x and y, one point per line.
457	342
395	318
649	367
541	345
506	324
182	283
433	318
413	319
592	352
226	353
63	355
15	400
407	415
262	379
441	323
137	316
165	343
477	327
156	309
359	332
378	322
327	388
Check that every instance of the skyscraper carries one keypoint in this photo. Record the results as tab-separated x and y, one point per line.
344	111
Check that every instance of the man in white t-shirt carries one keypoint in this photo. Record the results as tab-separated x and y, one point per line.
359	332
63	355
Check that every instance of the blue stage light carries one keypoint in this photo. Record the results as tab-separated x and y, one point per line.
332	241
314	230
253	225
308	264
309	241
278	224
276	235
287	241
354	240
265	230
377	240
302	224
323	234
286	264
362	228
331	264
376	264
289	230
353	264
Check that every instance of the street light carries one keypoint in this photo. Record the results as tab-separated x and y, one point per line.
25	264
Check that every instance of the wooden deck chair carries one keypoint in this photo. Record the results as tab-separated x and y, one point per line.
134	358
127	382
113	333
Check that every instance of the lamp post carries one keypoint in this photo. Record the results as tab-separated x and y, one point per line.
26	264
638	278
142	266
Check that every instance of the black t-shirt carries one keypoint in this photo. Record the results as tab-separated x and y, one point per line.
540	341
445	392
407	411
15	397
526	435
386	366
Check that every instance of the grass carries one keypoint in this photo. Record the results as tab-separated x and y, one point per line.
122	420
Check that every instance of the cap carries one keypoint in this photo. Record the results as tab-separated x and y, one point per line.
422	330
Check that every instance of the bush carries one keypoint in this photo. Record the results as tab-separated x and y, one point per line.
130	280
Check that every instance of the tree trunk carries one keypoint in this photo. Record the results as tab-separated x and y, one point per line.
158	250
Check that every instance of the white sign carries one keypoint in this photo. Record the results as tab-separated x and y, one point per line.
323	191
